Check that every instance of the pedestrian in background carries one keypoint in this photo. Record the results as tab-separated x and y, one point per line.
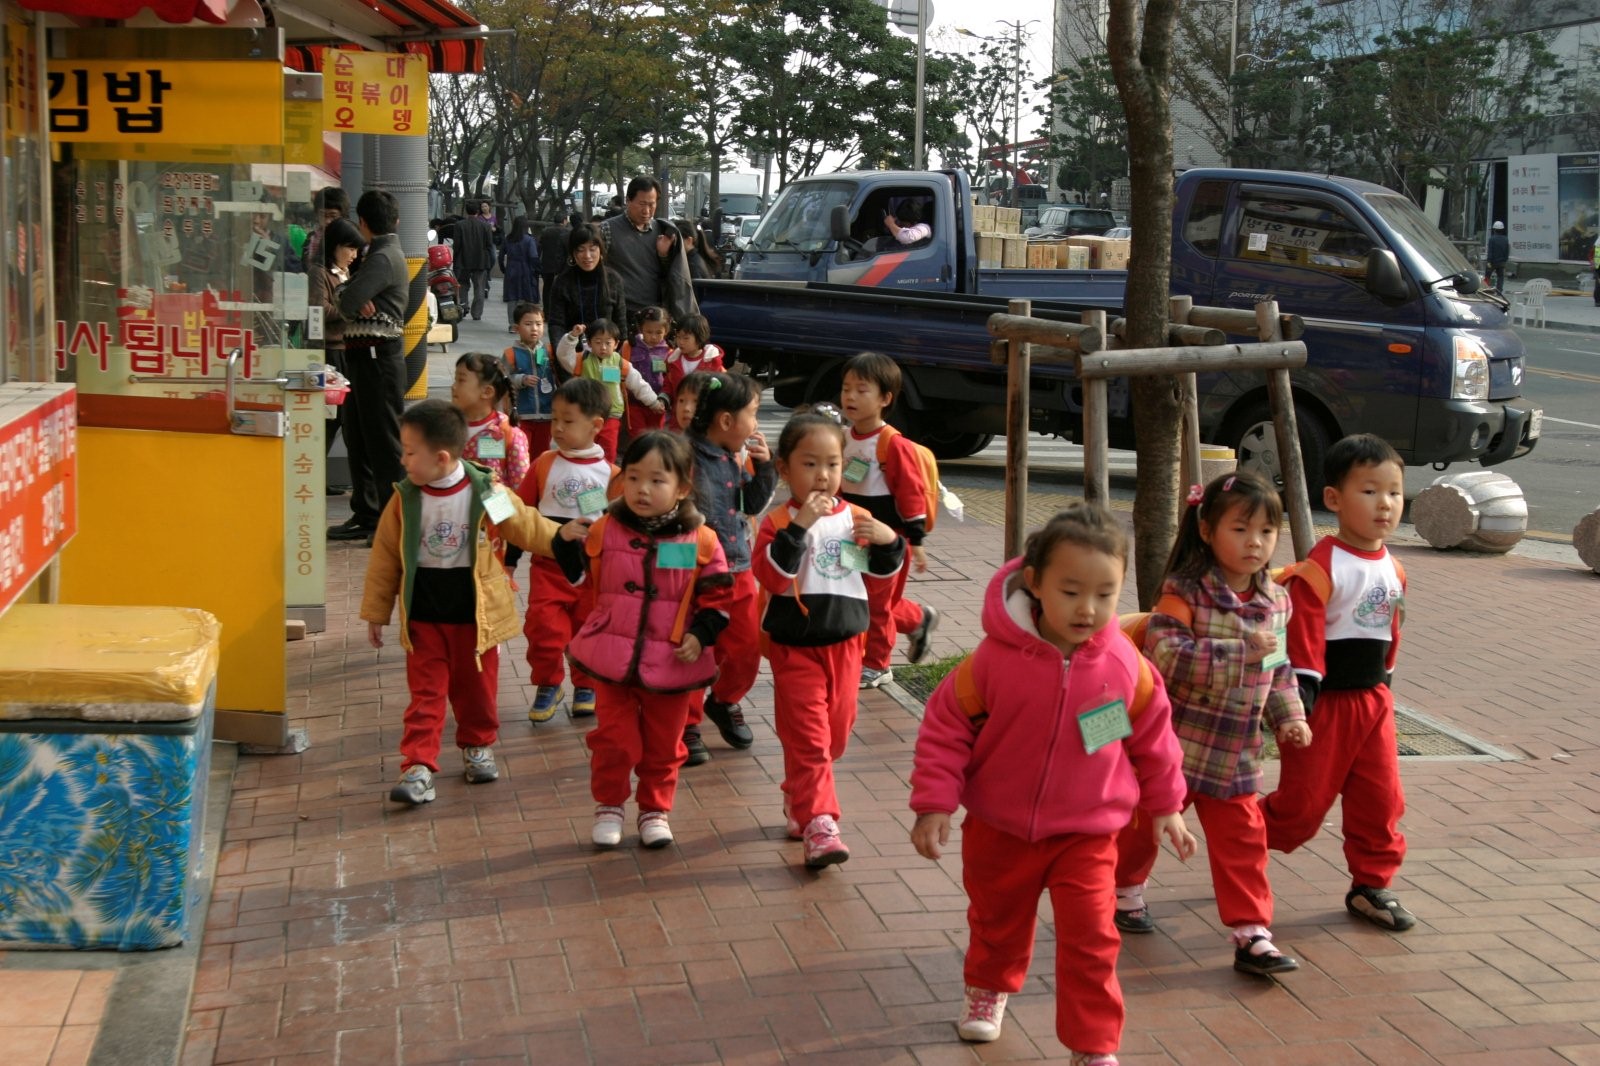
373	303
474	248
519	267
340	256
553	252
587	289
1499	251
648	254
704	261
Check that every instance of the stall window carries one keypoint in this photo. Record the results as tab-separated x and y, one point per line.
1305	232
26	305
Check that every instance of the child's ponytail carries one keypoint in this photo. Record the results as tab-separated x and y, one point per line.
1191	557
722	392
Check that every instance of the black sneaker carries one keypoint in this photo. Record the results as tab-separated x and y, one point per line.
917	640
698	752
1138	921
1262	963
729	720
1380	907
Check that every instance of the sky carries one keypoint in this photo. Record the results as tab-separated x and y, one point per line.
981	17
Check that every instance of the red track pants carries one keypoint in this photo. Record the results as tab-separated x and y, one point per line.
1354	757
1004	876
642	419
891	615
555	614
814	709
538	434
443	665
738	648
636	731
1236	846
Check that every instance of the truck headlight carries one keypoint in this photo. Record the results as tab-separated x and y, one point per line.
1470	380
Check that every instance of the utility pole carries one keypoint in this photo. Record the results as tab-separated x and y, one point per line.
1016	120
922	54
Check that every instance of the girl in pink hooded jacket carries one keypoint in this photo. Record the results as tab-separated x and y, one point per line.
1050	767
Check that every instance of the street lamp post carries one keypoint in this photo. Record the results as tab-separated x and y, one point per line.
1016	28
917	162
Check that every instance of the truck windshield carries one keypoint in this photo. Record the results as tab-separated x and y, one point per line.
799	220
1434	255
741	203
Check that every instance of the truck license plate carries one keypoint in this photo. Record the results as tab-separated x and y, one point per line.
1535	423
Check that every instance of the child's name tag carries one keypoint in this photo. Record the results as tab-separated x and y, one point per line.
611	375
541	358
675	555
593	501
1104	725
1279	655
658	366
491	448
497	502
856	470
852	556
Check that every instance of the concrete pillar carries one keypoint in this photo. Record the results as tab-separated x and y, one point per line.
353	166
401	169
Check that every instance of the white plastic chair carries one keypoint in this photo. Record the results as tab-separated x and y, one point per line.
1529	301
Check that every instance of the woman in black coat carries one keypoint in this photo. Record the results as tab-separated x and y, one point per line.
587	289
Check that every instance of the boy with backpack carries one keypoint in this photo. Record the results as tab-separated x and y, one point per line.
896	480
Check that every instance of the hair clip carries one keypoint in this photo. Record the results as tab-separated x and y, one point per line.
714	384
1227	486
830	411
1196	494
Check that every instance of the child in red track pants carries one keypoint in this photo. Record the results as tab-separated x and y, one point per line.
641	731
815	557
1212	635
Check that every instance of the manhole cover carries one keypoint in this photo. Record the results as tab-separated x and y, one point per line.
1417	736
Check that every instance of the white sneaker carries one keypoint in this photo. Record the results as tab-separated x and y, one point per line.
982	1015
607	827
871	678
654	832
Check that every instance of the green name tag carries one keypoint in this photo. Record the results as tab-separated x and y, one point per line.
1280	655
491	448
593	501
611	375
541	358
658	365
1104	725
856	470
498	503
853	556
676	555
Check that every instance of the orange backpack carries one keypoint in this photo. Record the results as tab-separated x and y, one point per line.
970	700
705	551
545	460
925	462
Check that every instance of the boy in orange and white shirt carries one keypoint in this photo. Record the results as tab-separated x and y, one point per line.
885	478
572	481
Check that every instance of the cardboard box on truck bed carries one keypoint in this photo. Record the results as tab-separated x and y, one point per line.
1105	253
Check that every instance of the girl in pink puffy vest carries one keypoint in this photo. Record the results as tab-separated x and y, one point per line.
660	593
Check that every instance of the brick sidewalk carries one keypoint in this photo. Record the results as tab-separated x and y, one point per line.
483	928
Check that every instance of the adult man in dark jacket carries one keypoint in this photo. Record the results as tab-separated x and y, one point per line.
1499	252
552	253
373	303
648	253
474	251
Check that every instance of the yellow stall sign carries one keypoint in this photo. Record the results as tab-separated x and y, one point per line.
160	101
375	92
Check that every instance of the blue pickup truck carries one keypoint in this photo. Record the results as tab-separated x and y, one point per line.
1402	342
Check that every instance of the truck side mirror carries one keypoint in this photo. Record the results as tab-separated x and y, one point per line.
1384	279
839	222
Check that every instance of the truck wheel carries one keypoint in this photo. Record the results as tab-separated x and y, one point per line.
948	445
1250	432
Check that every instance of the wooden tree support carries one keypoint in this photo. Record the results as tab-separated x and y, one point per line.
1184	358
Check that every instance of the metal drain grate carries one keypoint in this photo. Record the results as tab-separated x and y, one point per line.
1416	735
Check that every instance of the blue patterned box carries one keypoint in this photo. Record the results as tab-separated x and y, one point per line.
105	749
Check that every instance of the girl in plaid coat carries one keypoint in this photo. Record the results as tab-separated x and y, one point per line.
1217	636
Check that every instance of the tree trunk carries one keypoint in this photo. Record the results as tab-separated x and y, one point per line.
1140	46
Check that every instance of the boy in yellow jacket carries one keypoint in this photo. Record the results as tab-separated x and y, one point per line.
436	551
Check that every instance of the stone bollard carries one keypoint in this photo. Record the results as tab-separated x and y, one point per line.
1216	460
1480	511
1586	538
